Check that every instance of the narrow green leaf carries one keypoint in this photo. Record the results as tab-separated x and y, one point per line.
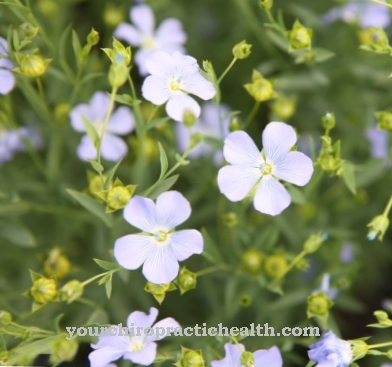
97	166
91	132
162	186
17	233
77	47
108	286
111	175
211	248
107	265
163	159
92	206
349	177
124	99
156	122
15	40
104	279
231	114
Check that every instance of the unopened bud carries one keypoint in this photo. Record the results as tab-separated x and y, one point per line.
189	118
235	124
93	37
378	227
57	265
31	65
118	74
186	280
5	317
230	219
299	37
159	290
119	196
192	359
314	241
63	350
71	291
275	266
251	261
43	290
374	39
283	107
242	50
260	89
28	30
359	348
384	119
318	305
328	121
266	4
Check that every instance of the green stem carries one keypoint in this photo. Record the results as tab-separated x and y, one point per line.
292	264
381	3
380	345
90	280
270	17
388	207
227	70
252	113
140	126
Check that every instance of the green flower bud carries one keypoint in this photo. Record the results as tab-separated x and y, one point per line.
318	305
245	300
328	121
242	50
266	4
359	348
381	316
192	358
63	350
247	359
113	15
314	241
189	118
31	65
384	120
275	266
283	107
251	261
299	37
302	264
3	357
230	219
260	89
5	317
43	290
186	280
375	40
61	112
56	265
71	291
119	196
377	227
118	74
235	124
28	30
389	354
93	37
48	8
159	290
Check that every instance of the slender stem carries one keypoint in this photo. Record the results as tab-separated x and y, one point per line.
140	126
40	90
292	264
153	112
270	17
227	70
252	113
381	3
388	207
380	345
88	281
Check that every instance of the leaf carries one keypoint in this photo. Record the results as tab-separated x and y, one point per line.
17	233
97	166
297	195
57	323
107	265
104	279
108	286
349	177
77	47
124	99
163	159
111	175
92	206
99	316
91	132
15	40
162	186
231	114
211	248
156	122
321	54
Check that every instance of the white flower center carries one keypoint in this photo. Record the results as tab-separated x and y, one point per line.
160	237
137	344
149	43
98	125
266	168
175	85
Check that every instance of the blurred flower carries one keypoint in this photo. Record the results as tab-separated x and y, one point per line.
331	351
249	167
234	357
173	78
169	36
366	13
209	126
378	140
331	293
121	122
159	247
13	141
7	79
137	349
347	252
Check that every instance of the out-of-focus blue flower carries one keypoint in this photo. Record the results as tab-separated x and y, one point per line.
347	252
121	122
331	293
249	167
168	37
7	79
366	13
378	140
331	351
210	127
137	349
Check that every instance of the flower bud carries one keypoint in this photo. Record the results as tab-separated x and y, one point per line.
28	30
381	316
384	120
63	350
31	65
328	121
93	37
186	280
118	74
260	89
275	266
283	107
374	39
318	305
119	196
266	4
5	317
192	358
230	219
242	50
159	290
113	16
235	124
377	227
56	265
189	118
71	291
251	261
314	241
43	290
359	348
299	37
245	300
247	359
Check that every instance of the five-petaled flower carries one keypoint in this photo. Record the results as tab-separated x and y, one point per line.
262	358
173	78
169	36
331	351
250	168
159	247
121	122
7	79
135	347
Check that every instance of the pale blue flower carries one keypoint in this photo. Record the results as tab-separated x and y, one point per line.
378	140
137	349
121	122
7	79
347	252
173	78
209	126
168	37
366	13
159	247
331	351
263	357
330	293
251	168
